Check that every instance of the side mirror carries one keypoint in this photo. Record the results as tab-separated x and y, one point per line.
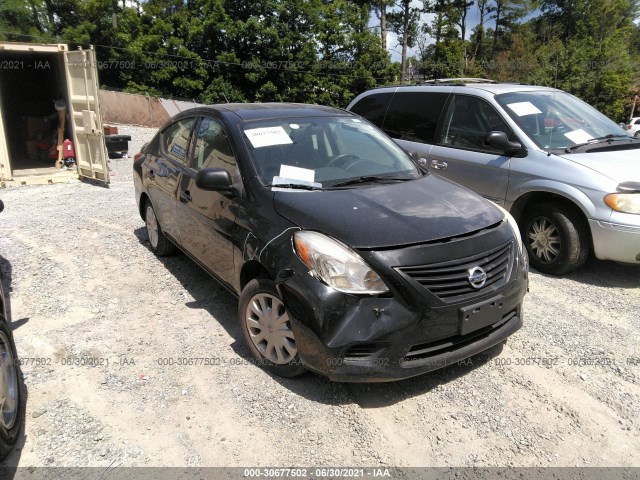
501	141
216	179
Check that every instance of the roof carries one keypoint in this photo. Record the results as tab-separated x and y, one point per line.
260	111
495	88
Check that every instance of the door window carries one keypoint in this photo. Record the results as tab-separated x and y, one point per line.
175	139
468	122
413	116
212	148
373	107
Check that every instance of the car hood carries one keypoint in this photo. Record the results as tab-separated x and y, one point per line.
619	165
387	215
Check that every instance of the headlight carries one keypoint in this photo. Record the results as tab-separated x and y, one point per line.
623	202
514	226
336	264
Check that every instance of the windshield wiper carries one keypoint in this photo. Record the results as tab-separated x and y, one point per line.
370	179
298	186
594	141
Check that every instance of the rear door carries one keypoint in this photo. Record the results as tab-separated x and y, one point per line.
84	110
460	153
162	169
207	218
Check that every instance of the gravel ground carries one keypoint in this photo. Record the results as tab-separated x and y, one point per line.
85	288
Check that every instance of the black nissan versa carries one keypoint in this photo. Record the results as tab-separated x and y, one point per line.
348	258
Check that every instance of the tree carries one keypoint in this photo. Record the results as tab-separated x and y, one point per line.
405	24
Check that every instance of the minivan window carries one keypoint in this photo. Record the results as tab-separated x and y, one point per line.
373	107
557	120
468	122
413	116
325	150
175	139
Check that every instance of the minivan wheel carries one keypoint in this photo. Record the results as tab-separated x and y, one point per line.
11	405
637	134
556	238
266	328
159	243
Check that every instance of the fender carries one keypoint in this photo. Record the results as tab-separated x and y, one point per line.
571	193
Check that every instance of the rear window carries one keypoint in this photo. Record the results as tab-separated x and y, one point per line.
414	116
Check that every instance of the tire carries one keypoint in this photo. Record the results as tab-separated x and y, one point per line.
158	242
556	238
277	353
637	134
11	393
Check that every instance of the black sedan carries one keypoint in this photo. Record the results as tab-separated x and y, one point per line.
348	258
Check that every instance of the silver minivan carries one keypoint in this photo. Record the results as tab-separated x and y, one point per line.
567	173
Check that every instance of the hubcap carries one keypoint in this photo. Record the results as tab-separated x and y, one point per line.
270	330
544	239
8	385
152	226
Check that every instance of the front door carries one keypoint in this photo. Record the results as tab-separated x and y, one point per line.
206	218
461	154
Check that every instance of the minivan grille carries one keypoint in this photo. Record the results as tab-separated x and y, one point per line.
450	280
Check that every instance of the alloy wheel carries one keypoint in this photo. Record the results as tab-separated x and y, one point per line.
544	239
9	393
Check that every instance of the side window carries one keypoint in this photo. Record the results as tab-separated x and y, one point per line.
413	116
638	121
373	107
212	148
175	139
468	121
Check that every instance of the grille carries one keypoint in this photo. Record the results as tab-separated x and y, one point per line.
364	350
424	351
450	280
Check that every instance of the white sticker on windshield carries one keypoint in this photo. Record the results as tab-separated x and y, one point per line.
297	173
295	126
523	108
579	136
266	137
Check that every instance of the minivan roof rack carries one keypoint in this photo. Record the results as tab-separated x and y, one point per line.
460	80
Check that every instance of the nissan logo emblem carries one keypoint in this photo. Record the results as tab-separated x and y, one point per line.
477	277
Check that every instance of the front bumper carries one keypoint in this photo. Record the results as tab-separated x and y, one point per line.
351	338
617	242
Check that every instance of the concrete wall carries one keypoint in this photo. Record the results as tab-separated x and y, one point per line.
128	108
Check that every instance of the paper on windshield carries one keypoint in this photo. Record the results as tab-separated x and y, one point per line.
579	136
267	136
297	173
523	108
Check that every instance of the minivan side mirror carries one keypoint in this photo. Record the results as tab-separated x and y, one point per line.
500	140
216	179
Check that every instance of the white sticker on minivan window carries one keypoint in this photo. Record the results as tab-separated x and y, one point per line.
523	108
579	136
268	136
297	173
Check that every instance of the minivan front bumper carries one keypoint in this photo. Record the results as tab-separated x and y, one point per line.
617	242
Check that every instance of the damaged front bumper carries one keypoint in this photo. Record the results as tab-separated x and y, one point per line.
351	338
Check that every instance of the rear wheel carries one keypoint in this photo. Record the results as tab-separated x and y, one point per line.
637	135
159	243
266	328
11	407
556	238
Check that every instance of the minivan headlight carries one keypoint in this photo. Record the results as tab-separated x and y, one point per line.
623	202
514	226
336	264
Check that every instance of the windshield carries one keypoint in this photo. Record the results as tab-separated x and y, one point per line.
557	120
324	151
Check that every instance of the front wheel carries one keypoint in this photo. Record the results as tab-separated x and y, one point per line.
11	407
556	238
266	328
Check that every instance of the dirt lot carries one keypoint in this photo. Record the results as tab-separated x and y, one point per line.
85	288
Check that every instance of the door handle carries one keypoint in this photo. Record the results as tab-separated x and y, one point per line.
185	196
151	174
439	164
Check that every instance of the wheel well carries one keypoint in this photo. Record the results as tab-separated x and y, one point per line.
528	200
252	270
143	201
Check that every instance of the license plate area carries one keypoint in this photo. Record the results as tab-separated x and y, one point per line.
480	315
